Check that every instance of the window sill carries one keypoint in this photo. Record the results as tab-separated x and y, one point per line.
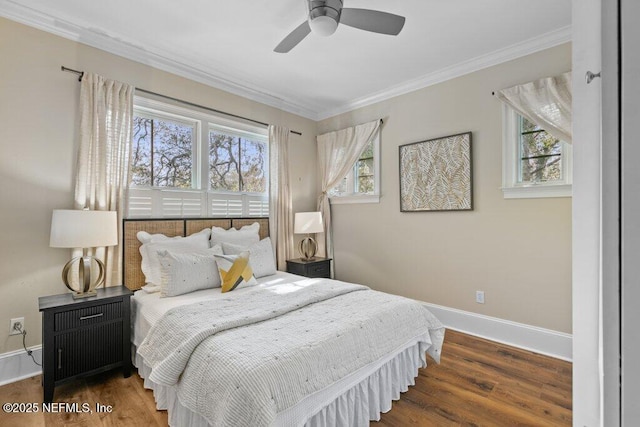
537	191
344	200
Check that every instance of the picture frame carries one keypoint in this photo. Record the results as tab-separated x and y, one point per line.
436	174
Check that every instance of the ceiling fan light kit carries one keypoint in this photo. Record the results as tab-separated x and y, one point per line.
325	15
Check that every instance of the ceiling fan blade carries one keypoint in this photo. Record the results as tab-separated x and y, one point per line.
372	20
294	37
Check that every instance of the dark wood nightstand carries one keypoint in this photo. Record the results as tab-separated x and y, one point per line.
84	336
316	267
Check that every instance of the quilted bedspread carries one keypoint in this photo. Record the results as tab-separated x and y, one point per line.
251	355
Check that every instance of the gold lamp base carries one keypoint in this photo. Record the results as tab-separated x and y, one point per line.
86	288
307	248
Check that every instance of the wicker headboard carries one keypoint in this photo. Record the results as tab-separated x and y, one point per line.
132	275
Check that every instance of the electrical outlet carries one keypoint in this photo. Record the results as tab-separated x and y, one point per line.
16	326
480	297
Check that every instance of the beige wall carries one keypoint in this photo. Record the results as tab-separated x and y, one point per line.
518	251
38	122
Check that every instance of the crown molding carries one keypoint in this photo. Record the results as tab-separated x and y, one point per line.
102	41
217	79
527	47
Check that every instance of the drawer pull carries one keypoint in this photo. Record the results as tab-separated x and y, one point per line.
93	316
59	358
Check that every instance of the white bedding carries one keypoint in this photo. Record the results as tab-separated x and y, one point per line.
398	354
147	308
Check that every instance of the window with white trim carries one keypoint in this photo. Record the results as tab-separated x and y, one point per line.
362	184
534	163
186	163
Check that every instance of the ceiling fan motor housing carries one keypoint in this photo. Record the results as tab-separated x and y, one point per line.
324	16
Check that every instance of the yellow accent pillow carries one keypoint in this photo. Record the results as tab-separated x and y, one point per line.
235	271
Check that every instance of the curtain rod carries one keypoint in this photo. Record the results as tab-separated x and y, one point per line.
81	73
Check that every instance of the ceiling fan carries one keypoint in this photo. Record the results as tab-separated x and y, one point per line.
325	15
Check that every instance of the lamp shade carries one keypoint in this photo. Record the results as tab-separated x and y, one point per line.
308	222
83	229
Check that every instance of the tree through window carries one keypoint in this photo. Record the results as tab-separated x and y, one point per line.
162	153
237	163
540	154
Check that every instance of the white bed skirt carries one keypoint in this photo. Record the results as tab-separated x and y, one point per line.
363	401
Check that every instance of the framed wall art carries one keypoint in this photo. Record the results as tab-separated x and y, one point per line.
435	175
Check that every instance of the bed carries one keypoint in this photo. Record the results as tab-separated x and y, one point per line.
286	351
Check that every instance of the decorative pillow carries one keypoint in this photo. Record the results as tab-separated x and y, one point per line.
261	257
151	289
245	237
145	237
235	271
187	272
159	242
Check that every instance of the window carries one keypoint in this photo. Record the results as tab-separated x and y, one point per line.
163	152
362	184
236	163
187	163
535	163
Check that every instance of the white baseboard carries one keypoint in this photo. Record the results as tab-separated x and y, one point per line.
539	340
18	365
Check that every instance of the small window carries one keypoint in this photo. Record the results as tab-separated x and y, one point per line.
362	184
535	163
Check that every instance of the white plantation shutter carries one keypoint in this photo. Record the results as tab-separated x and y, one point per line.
140	203
158	203
224	204
155	203
236	205
176	203
257	205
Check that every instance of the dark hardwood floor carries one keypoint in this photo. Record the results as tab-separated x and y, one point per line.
478	383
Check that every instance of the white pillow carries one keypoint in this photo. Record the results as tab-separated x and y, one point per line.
182	273
150	289
246	236
260	256
159	242
145	237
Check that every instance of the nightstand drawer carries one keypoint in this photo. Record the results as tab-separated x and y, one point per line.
73	319
318	270
316	267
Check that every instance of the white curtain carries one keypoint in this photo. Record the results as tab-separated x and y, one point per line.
545	102
337	153
102	169
280	206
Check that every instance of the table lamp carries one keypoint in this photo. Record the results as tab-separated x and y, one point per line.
307	223
83	229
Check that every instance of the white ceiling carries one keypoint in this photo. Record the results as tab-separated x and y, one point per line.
229	44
